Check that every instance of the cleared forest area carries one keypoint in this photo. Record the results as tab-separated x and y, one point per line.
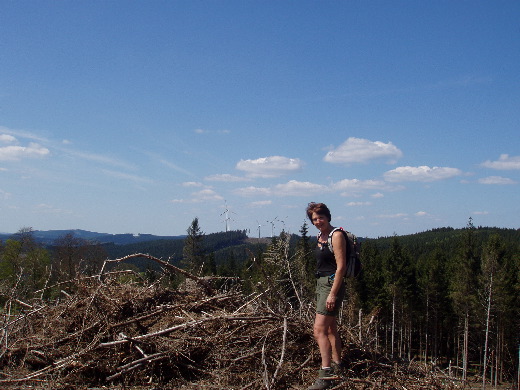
115	330
435	317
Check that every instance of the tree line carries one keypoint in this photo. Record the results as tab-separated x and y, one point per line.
448	297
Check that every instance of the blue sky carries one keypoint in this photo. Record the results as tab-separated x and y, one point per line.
138	116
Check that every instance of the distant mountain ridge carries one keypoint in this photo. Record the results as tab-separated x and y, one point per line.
47	237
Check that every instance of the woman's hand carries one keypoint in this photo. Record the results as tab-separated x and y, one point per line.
331	302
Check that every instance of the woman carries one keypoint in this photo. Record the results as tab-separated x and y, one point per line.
330	291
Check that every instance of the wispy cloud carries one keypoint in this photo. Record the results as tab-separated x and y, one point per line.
4	195
17	152
204	195
354	204
504	162
175	167
98	158
205	131
397	215
261	203
268	167
126	176
359	150
496	180
352	187
192	184
226	177
7	138
291	188
298	188
421	174
49	209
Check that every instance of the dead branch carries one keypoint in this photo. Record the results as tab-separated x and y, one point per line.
171	267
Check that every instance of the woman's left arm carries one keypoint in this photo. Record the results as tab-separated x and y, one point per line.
339	243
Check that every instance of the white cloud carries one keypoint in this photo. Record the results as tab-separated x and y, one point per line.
421	214
98	158
175	167
299	188
359	150
291	188
353	204
7	138
261	203
398	215
15	152
504	163
353	187
4	195
226	177
192	184
48	209
273	166
204	131
253	191
127	176
204	195
496	180
377	195
480	212
422	173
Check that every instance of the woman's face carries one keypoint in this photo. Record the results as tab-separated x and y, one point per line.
319	220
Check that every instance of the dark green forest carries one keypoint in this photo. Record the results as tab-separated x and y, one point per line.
448	297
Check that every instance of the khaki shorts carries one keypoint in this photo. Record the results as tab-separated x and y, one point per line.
323	286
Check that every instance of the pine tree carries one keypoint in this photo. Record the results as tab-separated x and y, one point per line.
462	286
193	250
305	264
398	284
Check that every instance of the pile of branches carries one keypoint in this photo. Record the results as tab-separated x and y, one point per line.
102	332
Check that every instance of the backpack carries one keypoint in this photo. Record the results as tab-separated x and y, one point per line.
353	255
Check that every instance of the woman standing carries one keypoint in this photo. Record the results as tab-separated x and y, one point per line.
330	291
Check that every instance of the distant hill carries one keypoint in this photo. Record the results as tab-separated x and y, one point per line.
47	237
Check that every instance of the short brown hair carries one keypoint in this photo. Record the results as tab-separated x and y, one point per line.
318	208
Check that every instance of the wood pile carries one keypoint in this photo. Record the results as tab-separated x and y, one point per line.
105	333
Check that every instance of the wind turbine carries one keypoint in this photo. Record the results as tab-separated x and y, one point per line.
226	214
283	222
259	226
272	226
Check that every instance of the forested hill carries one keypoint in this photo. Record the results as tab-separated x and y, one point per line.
447	239
235	247
222	246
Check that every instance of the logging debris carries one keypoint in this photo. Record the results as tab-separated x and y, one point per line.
102	332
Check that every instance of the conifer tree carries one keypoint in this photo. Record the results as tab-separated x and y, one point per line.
462	290
398	283
492	260
193	250
305	263
431	281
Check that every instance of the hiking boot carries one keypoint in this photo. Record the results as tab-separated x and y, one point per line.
326	376
320	384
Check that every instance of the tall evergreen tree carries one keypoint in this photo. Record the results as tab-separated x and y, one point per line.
462	286
399	284
193	250
305	263
431	281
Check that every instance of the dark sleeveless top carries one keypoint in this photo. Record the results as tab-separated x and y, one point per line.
325	260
